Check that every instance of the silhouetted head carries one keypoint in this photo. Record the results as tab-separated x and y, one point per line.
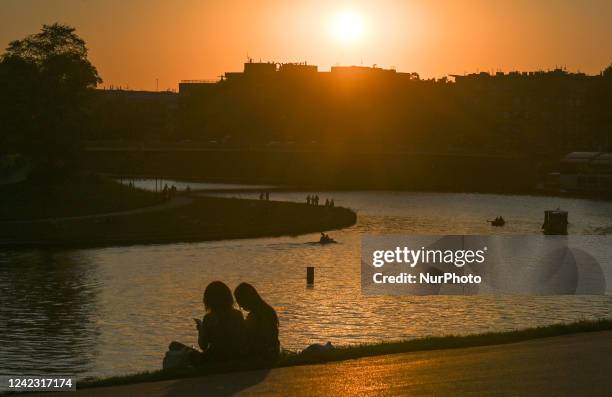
247	296
218	297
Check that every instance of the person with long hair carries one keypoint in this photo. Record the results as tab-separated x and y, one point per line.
261	324
222	332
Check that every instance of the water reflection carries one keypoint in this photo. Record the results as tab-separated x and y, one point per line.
47	309
114	310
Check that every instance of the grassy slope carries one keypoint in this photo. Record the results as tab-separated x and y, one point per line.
83	196
206	218
352	352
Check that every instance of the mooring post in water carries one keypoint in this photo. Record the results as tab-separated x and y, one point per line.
310	275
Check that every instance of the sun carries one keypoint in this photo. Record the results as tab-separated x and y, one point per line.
348	26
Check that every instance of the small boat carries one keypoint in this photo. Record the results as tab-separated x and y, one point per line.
325	239
499	221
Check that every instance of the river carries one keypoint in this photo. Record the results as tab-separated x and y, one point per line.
109	311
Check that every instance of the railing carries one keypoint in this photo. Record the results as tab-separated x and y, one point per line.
199	81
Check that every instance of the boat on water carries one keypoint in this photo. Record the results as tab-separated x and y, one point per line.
325	239
499	221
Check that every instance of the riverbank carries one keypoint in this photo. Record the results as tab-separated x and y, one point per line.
79	195
330	167
569	365
195	219
326	169
239	185
290	359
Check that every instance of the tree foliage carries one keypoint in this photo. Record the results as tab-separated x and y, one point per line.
46	78
607	72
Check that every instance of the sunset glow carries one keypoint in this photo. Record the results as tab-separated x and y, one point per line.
348	26
172	41
306	198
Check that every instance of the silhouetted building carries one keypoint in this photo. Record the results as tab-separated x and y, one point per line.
196	87
133	115
545	111
540	112
297	69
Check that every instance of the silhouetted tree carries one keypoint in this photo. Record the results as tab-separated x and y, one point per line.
45	79
607	72
603	104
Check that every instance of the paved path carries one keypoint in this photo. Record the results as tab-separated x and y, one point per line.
574	365
175	202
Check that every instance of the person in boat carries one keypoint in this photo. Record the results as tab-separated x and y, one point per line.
325	238
261	324
498	221
222	331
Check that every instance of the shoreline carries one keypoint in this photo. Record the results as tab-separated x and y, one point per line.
275	187
352	352
200	219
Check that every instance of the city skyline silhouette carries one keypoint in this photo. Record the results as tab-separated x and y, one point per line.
153	45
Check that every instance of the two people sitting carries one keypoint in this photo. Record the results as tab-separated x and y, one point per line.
498	221
223	333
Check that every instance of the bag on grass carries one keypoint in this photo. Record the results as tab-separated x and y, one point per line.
175	359
317	348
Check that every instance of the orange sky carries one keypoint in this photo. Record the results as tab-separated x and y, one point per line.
137	41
